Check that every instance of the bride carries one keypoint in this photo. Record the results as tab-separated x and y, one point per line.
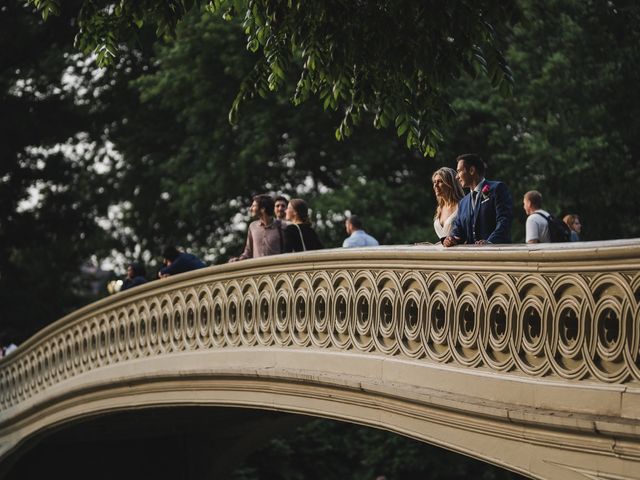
448	193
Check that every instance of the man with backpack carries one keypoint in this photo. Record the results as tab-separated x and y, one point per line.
542	227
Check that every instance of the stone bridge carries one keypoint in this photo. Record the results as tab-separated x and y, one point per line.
527	357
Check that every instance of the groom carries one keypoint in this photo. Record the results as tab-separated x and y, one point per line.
485	213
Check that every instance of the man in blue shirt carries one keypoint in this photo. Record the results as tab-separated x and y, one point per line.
178	262
357	236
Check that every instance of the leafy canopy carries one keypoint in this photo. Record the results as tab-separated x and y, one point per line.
394	58
51	194
570	130
187	171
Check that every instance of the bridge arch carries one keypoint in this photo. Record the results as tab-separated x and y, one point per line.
525	357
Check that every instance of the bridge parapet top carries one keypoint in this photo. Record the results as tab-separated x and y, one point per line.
568	313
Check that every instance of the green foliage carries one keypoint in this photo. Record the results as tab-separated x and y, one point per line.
50	197
327	450
569	130
188	171
47	7
355	57
396	209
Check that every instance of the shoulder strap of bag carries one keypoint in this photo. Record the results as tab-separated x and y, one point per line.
280	235
304	247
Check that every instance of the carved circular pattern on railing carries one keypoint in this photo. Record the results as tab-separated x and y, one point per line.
574	326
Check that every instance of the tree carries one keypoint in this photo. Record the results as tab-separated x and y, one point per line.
392	58
325	449
50	195
186	172
569	130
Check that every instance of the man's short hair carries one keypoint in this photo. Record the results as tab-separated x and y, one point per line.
473	160
535	198
355	222
138	269
280	198
266	202
170	252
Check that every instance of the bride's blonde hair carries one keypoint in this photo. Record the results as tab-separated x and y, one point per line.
452	194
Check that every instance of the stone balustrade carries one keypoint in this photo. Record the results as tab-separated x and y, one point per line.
521	341
572	313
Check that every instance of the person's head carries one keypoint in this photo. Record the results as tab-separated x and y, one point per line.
298	211
169	254
352	224
469	169
136	269
262	205
573	221
280	207
532	201
7	336
446	187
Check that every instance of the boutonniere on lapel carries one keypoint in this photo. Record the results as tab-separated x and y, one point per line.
486	190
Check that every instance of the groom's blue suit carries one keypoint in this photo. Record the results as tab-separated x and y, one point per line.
491	218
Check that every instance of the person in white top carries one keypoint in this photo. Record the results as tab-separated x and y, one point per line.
537	227
448	194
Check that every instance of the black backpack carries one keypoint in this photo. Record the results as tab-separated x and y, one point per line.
558	230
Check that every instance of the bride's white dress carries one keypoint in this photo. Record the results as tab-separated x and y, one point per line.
444	230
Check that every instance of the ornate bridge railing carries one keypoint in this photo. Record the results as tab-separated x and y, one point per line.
547	313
